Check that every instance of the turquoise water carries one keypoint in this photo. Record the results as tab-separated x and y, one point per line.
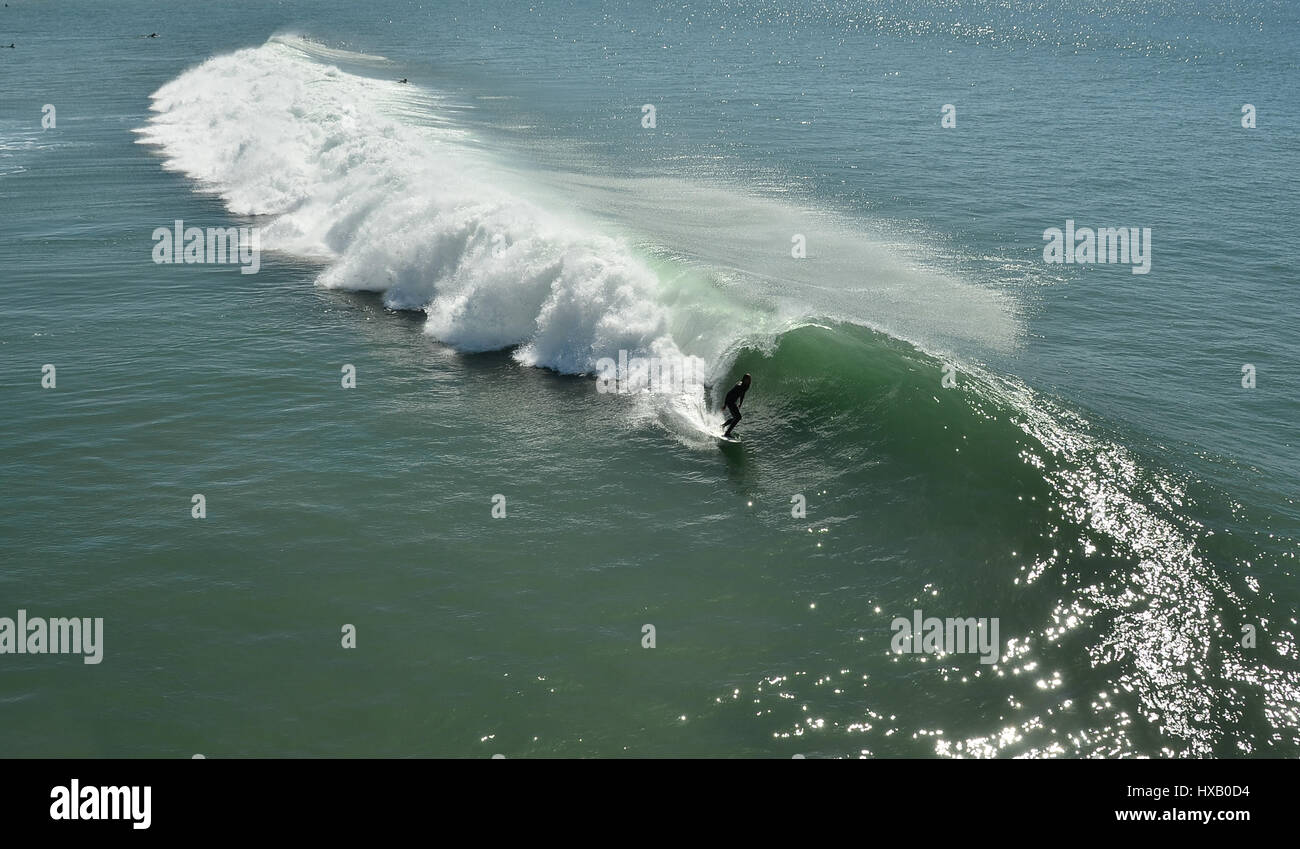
473	240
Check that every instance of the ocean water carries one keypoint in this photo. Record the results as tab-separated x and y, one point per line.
473	241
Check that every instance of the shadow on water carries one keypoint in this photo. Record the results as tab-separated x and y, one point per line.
739	470
518	400
501	387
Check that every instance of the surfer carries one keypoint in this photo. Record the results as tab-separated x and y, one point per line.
732	402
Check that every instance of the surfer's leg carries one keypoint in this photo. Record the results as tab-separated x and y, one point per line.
731	423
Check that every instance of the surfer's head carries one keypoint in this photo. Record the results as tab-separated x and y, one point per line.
745	381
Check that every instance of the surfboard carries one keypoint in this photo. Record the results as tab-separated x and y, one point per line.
727	439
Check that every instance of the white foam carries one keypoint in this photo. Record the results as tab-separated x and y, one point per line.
403	211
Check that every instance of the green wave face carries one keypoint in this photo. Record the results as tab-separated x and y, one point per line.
986	499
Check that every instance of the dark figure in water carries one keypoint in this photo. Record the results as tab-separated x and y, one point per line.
732	402
402	80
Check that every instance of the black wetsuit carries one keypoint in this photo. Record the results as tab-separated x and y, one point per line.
732	402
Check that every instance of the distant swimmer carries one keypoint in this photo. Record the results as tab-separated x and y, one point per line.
732	402
402	80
